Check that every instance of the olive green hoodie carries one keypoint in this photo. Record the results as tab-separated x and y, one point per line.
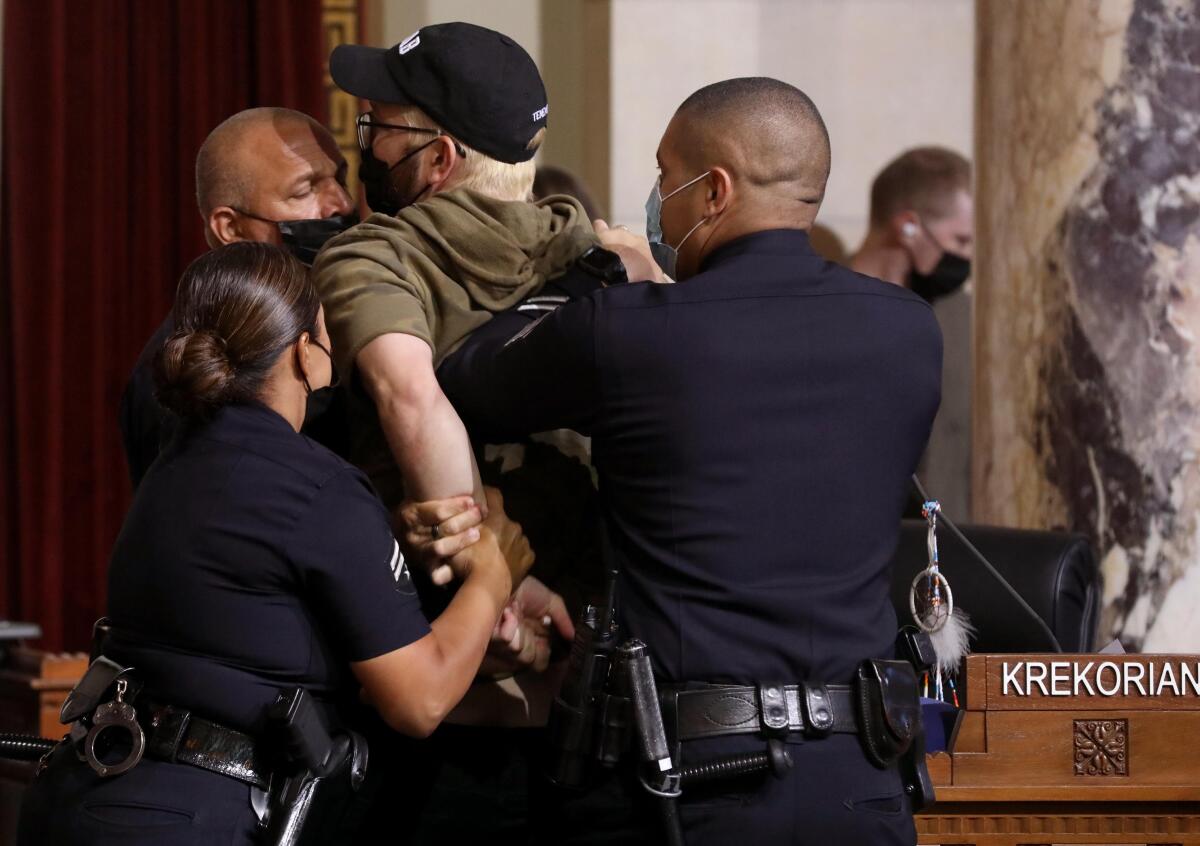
438	270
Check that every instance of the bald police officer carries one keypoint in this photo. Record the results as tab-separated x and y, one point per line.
266	174
754	428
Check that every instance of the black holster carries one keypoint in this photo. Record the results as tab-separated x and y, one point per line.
891	731
317	775
309	807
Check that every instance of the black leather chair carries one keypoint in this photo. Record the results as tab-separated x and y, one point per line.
1055	572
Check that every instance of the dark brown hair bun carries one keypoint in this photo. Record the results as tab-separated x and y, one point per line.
236	310
195	373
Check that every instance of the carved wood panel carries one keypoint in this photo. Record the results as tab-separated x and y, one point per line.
340	21
1101	747
1055	825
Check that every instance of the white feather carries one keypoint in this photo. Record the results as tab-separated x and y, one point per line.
951	642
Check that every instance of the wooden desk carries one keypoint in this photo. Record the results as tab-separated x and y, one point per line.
1051	750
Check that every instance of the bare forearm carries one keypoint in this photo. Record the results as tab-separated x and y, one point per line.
427	440
430	446
463	632
415	687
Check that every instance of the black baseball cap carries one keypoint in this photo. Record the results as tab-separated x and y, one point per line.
479	85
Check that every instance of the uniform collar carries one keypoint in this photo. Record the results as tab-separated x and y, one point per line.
776	242
249	419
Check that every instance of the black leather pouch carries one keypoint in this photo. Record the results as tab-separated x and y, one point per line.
889	710
95	688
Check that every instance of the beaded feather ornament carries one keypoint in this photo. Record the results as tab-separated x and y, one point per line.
931	602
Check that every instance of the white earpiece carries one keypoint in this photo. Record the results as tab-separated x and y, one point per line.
909	229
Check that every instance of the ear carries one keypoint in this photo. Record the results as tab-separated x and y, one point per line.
226	226
303	351
445	158
904	226
718	188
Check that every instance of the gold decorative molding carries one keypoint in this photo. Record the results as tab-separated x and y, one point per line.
340	22
1101	747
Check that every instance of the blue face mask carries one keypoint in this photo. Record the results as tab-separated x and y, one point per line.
664	254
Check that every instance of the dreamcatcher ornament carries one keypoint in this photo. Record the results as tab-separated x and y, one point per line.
931	603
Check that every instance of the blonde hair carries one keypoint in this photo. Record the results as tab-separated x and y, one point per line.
480	172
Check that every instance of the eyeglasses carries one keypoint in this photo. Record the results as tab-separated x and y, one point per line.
365	123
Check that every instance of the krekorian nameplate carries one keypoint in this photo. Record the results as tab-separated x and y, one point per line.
1056	748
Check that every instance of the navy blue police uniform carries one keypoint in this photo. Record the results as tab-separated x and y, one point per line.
754	429
252	561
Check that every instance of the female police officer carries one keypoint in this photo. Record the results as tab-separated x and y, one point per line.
254	560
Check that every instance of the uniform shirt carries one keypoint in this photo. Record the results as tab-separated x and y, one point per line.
754	429
255	560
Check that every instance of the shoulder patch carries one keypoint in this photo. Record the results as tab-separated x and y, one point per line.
529	328
399	569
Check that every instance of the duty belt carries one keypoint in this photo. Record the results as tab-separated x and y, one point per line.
177	736
720	710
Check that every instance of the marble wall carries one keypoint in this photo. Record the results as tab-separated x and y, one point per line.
1088	293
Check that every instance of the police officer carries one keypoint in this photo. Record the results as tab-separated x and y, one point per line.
254	560
754	428
265	174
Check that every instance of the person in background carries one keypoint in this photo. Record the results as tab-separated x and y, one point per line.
921	233
922	237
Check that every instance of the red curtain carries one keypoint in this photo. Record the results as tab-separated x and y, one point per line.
105	104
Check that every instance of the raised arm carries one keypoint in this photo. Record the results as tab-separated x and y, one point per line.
425	435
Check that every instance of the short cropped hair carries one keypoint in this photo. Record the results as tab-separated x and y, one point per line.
924	179
776	123
224	177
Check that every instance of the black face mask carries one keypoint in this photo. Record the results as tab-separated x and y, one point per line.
376	177
947	276
305	238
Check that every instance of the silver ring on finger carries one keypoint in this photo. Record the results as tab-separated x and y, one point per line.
435	532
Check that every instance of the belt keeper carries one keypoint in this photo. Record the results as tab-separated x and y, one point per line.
162	718
772	710
818	709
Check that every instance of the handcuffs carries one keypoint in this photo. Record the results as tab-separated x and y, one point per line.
97	726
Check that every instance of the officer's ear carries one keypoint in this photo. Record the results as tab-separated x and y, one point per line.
225	226
718	188
302	349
